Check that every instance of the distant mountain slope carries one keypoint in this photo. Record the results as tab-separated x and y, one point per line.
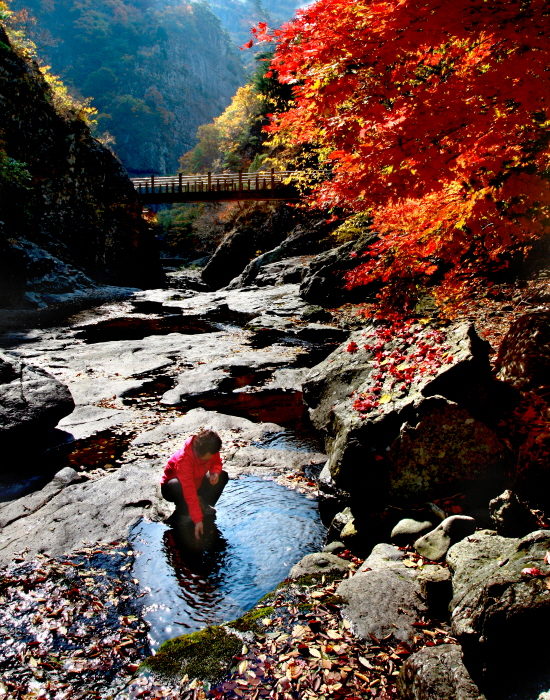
238	16
156	71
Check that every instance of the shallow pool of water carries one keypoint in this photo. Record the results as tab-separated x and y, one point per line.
264	529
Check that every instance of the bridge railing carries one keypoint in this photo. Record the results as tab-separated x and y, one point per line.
215	182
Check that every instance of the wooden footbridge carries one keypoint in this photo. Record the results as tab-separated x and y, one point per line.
218	187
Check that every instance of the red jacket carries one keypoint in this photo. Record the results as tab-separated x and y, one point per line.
190	470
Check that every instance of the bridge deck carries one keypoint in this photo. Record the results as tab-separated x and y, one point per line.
216	187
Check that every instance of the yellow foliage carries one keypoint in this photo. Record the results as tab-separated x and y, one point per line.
245	107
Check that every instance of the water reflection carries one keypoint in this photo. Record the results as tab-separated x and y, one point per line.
263	529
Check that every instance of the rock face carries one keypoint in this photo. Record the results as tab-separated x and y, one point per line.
323	282
263	231
436	673
282	234
401	416
70	216
524	354
501	607
31	401
162	71
58	518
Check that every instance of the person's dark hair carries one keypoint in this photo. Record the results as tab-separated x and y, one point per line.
206	441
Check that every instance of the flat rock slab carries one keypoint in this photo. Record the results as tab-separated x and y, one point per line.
63	514
86	391
198	418
86	421
284	298
437	673
267	461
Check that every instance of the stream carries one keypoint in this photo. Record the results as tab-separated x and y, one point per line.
120	367
263	530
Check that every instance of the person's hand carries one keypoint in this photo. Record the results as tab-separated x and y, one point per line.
199	530
213	478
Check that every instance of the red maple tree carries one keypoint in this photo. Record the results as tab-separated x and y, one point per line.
434	116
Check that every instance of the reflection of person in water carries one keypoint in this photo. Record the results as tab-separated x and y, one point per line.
193	479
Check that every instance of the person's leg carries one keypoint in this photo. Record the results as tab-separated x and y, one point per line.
172	491
211	493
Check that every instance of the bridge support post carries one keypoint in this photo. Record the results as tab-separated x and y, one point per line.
209	182
179	180
240	183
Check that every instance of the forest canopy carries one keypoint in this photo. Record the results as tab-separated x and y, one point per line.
434	118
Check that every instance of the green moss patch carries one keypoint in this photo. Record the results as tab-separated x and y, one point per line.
249	621
205	655
315	579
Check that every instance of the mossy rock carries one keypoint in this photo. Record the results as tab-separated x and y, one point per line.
249	621
205	655
314	579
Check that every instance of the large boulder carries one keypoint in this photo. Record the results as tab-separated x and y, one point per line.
407	416
501	609
437	673
32	402
383	598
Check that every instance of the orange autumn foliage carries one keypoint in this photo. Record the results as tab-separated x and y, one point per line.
434	115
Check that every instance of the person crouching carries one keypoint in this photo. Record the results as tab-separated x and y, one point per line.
193	479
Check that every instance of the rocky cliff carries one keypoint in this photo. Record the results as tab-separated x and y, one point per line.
69	216
156	71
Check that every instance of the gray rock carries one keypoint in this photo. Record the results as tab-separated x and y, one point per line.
436	588
432	440
436	673
382	602
198	418
338	523
86	390
12	511
31	400
195	383
319	563
409	530
334	547
386	556
435	544
474	552
323	282
86	421
267	461
501	613
512	517
61	516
